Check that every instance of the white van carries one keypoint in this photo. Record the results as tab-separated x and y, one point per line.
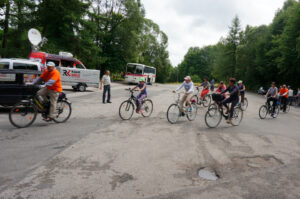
20	64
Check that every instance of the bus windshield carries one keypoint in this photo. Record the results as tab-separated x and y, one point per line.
134	69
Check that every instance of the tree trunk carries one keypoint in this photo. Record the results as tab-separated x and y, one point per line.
6	26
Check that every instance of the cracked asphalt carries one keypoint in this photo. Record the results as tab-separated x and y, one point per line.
96	155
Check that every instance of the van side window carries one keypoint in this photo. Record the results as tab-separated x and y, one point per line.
79	66
4	65
32	67
68	64
54	61
24	66
19	66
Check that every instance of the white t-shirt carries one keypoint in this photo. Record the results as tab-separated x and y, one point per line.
291	93
106	80
188	87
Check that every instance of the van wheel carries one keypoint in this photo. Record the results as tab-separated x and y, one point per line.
81	87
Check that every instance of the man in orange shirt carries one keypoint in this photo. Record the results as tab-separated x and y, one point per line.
284	96
52	88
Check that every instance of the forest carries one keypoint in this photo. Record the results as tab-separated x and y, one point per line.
103	34
107	34
256	55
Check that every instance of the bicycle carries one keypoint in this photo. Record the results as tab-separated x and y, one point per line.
215	113
288	106
128	106
206	101
174	113
267	109
24	113
244	105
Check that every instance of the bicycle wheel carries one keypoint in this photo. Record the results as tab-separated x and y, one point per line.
263	112
206	100
64	111
147	108
22	114
213	117
126	110
276	112
237	117
191	115
173	113
244	105
288	108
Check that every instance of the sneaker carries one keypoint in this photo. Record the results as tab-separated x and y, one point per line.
229	121
109	102
140	112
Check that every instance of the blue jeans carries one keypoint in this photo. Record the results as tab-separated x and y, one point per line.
106	89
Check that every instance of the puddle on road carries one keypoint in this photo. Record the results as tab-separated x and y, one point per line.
208	174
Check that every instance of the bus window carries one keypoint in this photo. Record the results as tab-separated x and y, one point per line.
130	69
139	70
149	70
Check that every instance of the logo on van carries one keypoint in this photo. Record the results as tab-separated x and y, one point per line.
70	73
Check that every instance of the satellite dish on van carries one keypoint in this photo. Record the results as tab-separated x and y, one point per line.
34	37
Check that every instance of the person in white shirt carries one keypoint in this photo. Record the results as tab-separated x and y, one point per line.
188	85
106	82
290	94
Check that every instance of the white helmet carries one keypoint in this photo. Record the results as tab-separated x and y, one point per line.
51	64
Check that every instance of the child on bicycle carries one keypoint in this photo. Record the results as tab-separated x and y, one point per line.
189	90
205	86
142	95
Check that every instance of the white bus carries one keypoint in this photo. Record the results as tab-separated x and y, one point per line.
135	71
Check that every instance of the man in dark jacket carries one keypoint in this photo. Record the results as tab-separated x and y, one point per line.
233	98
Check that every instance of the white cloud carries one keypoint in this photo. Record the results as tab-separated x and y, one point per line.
202	22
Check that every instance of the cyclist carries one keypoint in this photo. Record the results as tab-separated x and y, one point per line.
284	96
189	90
52	88
142	95
272	96
242	89
221	87
205	90
233	98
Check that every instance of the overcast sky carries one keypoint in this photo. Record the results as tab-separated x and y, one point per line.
202	22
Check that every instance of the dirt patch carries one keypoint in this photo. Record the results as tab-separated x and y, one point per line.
256	162
120	179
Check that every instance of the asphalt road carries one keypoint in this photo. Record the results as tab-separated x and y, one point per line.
23	150
148	157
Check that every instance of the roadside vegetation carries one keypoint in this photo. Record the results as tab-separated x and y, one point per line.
257	55
107	34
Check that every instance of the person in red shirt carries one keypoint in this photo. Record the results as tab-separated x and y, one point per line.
284	96
221	87
52	88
